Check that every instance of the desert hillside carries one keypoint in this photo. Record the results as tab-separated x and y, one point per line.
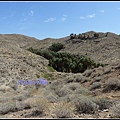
95	93
104	49
17	63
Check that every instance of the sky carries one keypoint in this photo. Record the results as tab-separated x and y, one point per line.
58	19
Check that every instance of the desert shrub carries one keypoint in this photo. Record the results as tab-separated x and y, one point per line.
65	98
84	79
80	79
70	79
37	75
40	105
61	92
95	85
97	79
84	104
103	103
56	47
46	91
7	107
107	70
47	76
72	36
56	84
115	111
51	98
64	110
112	84
72	86
96	35
82	91
87	73
51	69
13	84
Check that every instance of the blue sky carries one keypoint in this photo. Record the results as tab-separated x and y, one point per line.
58	19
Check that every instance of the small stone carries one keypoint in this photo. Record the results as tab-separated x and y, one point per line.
106	110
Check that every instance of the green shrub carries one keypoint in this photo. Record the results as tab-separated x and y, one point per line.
96	35
51	69
47	76
37	75
66	62
56	47
72	36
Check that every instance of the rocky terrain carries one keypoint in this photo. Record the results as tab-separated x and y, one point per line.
92	94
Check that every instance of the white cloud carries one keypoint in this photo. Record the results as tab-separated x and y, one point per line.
88	16
50	20
118	8
91	16
27	17
101	11
62	19
31	13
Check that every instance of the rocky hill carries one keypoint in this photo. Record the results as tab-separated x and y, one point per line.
104	49
92	94
17	63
